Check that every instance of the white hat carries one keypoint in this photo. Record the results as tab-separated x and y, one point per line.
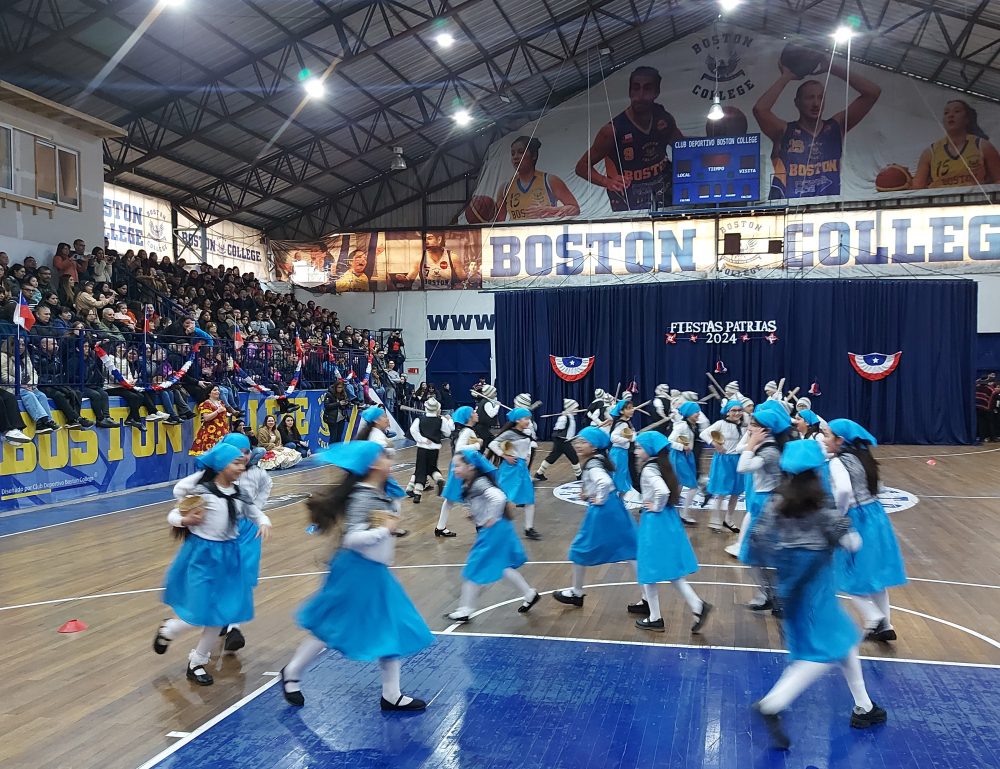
675	393
599	394
627	395
432	407
522	401
570	405
747	402
661	391
771	387
489	392
690	395
733	387
803	403
609	399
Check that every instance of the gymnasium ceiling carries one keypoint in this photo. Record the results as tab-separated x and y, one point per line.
211	97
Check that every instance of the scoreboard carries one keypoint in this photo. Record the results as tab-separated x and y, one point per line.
718	169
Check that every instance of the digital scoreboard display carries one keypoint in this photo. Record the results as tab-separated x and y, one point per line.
719	169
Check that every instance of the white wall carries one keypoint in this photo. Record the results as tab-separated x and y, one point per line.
989	303
23	233
410	311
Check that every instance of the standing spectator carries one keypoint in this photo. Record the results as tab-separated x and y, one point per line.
100	266
290	436
70	267
987	405
214	423
336	410
395	351
447	400
392	387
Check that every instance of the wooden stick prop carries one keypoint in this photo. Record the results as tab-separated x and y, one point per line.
571	413
655	424
641	411
643	404
617	388
790	395
532	407
714	381
410	408
781	385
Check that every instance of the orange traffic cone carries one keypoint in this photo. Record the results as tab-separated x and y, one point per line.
73	626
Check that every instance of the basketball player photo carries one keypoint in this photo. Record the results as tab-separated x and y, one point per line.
806	152
963	157
633	147
440	267
533	194
356	277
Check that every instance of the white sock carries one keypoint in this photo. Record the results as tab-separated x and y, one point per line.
881	600
744	528
519	583
732	509
688	501
390	681
411	483
652	595
173	627
796	679
202	653
418	490
869	612
691	597
543	467
436	476
529	516
851	668
577	469
308	650
467	601
443	518
715	520
578	572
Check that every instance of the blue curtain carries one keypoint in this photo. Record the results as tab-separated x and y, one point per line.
928	399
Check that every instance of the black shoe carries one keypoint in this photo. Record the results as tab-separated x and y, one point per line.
172	420
571	600
440	487
42	427
199	675
414	704
416	498
779	739
160	642
874	716
734	529
525	606
187	415
881	633
234	640
778	612
445	532
639	608
540	476
137	424
409	493
767	605
107	423
532	534
74	425
400	532
656	625
689	521
699	619
292	698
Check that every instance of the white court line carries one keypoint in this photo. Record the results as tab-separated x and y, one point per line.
941	456
944	496
991	641
175	735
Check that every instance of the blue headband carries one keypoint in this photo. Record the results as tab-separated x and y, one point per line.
517	414
616	410
372	413
809	416
219	456
595	437
771	405
477	460
800	456
688	409
774	419
851	431
462	415
239	440
652	442
730	405
356	457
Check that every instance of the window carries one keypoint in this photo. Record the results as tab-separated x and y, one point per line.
45	171
57	176
6	159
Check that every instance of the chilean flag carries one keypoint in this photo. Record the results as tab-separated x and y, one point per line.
23	316
237	337
298	345
150	318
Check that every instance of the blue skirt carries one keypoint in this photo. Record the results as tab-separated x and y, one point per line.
684	468
878	564
515	481
607	535
723	480
665	552
208	584
249	550
621	477
817	628
496	548
363	612
452	487
755	506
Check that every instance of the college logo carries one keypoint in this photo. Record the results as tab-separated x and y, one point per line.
751	257
723	72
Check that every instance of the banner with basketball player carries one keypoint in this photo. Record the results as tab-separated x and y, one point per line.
829	130
398	260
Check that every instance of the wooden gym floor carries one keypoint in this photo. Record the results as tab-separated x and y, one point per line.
102	698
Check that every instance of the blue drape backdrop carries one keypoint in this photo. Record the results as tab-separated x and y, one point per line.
928	399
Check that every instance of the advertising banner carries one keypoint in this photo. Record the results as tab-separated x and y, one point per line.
134	221
225	243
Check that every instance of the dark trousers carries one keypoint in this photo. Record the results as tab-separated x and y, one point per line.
336	430
98	402
986	425
427	460
135	401
10	412
562	448
66	399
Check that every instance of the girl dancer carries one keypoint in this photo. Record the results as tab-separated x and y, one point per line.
465	438
361	610
867	574
682	453
375	428
428	431
497	551
808	424
210	583
622	436
513	446
562	441
608	533
664	552
723	480
797	534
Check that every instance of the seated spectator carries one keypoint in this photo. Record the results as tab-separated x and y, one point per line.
52	382
30	291
214	423
84	369
17	367
269	438
86	299
11	423
290	436
135	400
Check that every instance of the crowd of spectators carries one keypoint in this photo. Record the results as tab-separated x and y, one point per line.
149	314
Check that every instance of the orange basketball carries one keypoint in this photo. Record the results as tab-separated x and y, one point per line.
801	60
732	123
893	178
481	210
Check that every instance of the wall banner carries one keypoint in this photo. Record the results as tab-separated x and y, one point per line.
133	221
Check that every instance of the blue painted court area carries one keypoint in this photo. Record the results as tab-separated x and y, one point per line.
521	703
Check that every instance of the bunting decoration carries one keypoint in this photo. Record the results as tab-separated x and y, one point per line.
295	377
571	368
875	365
108	362
247	381
237	337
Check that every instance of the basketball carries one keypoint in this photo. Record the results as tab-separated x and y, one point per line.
481	210
732	123
800	60
893	178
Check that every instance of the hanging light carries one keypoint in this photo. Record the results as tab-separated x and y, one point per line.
843	34
314	87
462	117
716	112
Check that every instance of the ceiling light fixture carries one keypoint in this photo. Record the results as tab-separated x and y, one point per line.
728	5
398	161
444	39
314	88
843	34
716	112
462	117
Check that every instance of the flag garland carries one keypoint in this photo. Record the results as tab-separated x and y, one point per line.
108	362
248	381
